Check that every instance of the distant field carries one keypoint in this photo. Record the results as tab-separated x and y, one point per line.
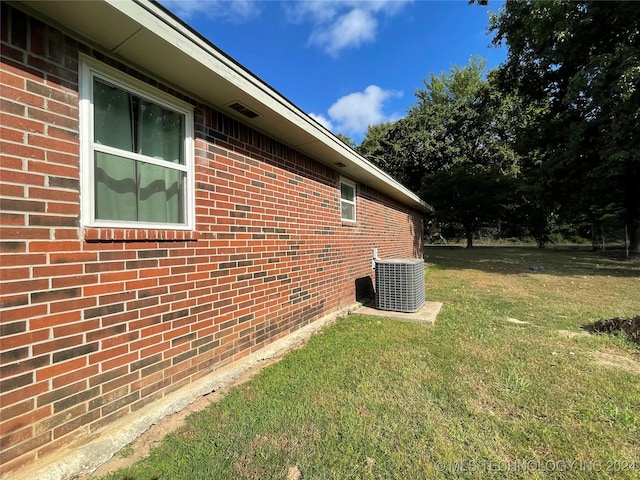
507	383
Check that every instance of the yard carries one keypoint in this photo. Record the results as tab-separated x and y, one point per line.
507	381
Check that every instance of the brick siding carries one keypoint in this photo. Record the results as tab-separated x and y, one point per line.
96	323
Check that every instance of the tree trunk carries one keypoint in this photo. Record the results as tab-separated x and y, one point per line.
634	237
632	204
469	235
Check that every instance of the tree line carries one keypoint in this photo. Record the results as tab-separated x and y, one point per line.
546	143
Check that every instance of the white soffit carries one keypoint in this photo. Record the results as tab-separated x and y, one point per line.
143	34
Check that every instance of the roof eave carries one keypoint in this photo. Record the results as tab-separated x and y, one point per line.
146	35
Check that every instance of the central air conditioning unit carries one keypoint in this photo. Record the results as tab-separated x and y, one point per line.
399	284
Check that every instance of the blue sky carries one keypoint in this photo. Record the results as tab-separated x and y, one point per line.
347	63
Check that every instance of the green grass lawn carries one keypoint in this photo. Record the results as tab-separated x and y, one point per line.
479	393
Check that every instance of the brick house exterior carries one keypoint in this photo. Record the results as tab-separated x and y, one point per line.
99	321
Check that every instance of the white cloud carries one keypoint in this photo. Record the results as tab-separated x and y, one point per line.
236	10
349	30
353	113
342	24
322	120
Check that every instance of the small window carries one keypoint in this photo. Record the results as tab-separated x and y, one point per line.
136	153
348	200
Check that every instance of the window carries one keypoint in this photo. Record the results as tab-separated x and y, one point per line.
347	200
136	152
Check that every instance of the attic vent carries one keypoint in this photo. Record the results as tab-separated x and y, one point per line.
246	111
340	164
399	284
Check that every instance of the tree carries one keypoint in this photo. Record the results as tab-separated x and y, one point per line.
580	63
456	139
470	198
457	136
429	137
378	148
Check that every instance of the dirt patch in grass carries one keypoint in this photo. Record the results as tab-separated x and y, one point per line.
516	321
617	361
627	326
294	473
572	334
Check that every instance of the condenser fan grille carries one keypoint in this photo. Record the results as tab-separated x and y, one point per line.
400	284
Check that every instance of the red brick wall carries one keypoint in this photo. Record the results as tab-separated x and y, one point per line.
97	323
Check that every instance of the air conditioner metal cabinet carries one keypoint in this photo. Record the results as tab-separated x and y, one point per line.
399	284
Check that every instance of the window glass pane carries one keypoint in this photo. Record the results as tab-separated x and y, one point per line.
115	188
126	121
112	116
161	194
347	192
127	190
160	132
348	211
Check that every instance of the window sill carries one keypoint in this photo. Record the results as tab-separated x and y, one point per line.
349	223
137	235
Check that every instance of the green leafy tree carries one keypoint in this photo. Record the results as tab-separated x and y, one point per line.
456	139
428	138
440	130
457	136
378	148
470	198
579	63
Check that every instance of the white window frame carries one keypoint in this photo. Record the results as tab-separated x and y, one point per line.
89	69
343	200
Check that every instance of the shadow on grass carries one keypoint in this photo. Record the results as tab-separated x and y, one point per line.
527	260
